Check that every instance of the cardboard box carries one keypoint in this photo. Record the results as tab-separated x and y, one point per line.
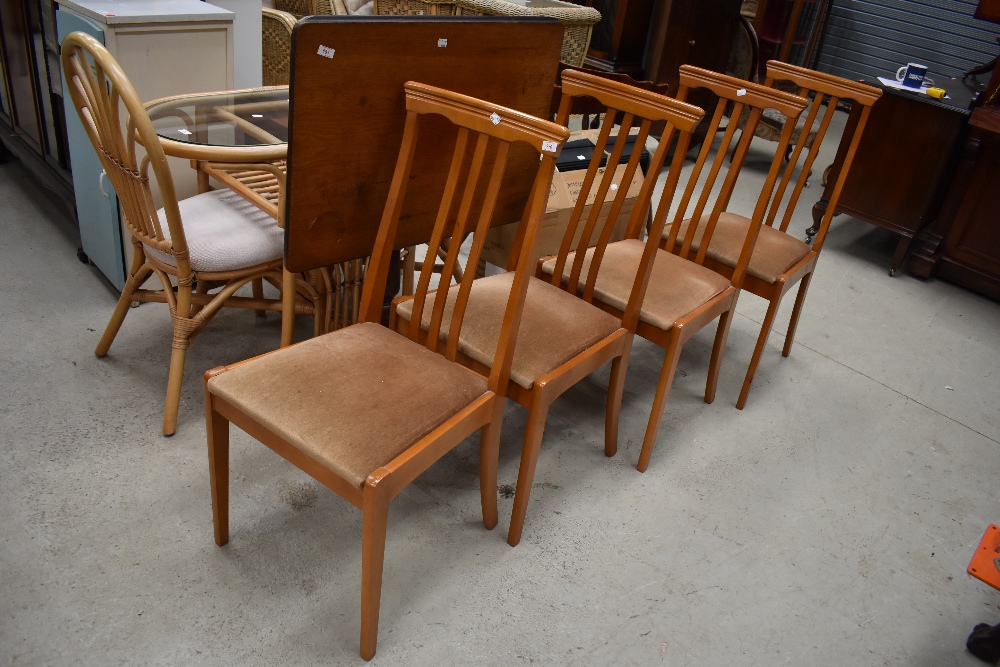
563	194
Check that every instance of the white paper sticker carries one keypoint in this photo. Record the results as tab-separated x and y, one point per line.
581	157
256	115
495	117
614	186
442	43
326	51
549	146
741	92
184	132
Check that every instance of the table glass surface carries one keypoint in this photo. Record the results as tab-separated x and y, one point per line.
239	118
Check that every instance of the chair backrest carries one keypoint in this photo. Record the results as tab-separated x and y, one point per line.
276	46
827	91
485	135
634	107
128	147
740	95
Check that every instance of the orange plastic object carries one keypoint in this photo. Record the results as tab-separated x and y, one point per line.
985	564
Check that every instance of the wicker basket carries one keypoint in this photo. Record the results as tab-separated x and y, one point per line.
415	7
578	21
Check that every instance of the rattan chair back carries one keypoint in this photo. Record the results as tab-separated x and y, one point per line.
276	46
127	146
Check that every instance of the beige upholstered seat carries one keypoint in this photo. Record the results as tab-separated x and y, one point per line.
676	286
352	401
774	253
555	325
224	232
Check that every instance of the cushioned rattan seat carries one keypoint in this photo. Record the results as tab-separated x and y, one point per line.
224	232
353	400
774	253
555	325
676	287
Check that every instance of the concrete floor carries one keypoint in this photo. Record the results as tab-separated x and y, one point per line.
829	523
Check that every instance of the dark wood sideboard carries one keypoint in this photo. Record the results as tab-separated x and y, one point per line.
904	163
963	244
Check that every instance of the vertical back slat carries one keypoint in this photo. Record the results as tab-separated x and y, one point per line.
602	193
478	240
378	265
444	211
611	221
581	202
464	211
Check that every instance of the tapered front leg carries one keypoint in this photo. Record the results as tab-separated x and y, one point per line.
533	433
765	331
489	455
616	389
663	385
375	517
217	428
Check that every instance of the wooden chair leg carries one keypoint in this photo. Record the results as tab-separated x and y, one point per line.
663	385
121	310
718	349
533	433
489	455
800	299
174	379
375	518
257	285
287	307
218	469
765	331
616	389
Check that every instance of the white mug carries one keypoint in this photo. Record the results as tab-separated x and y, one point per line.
913	75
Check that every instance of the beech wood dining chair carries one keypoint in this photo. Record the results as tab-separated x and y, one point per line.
365	410
214	240
563	337
683	296
779	260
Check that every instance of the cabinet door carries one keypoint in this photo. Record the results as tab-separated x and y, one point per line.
96	202
974	237
23	102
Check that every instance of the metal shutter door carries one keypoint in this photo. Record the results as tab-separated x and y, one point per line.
875	37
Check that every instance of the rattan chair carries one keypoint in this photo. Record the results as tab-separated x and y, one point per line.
215	240
365	410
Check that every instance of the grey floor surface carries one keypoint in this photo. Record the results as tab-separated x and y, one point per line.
829	523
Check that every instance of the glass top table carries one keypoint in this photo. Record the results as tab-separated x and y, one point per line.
238	137
231	126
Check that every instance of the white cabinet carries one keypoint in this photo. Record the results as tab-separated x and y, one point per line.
166	47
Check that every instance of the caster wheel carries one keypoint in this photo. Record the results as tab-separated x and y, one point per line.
82	256
892	272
